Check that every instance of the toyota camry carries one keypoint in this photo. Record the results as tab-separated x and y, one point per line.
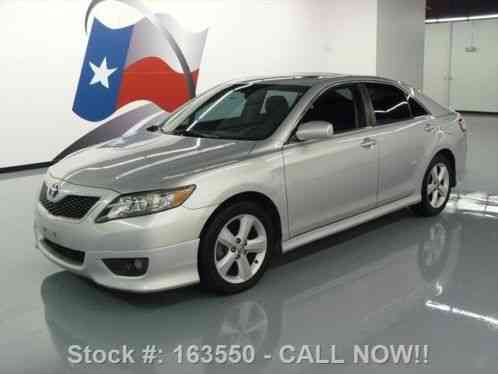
243	172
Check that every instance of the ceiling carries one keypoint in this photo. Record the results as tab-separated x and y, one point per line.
458	8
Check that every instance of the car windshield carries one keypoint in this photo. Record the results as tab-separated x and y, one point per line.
241	111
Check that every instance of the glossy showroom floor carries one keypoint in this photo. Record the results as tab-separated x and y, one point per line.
397	280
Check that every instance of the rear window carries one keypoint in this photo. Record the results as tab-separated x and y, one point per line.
435	108
417	109
390	104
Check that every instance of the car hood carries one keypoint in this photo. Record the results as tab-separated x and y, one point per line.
147	160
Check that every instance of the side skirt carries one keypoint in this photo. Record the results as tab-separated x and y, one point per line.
347	223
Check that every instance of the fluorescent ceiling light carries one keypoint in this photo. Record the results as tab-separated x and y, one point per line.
460	19
489	16
454	19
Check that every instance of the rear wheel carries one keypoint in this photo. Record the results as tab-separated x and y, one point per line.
235	248
436	188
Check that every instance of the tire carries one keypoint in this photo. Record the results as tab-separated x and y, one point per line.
430	206
232	263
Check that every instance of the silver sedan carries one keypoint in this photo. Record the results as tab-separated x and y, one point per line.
243	172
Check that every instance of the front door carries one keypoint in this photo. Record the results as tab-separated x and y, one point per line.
328	180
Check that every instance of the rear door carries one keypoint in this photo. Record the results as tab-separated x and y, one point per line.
404	135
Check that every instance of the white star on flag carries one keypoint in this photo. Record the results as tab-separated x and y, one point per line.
101	73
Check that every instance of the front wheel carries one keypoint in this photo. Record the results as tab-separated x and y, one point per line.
235	248
436	188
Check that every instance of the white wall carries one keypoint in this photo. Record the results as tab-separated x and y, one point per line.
437	62
43	45
464	80
474	84
41	53
286	36
400	41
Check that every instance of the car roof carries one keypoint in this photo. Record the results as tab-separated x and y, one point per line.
311	79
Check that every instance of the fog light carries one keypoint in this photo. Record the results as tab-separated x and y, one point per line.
139	263
127	267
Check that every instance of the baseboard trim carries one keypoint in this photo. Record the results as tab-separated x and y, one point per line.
14	169
348	223
477	112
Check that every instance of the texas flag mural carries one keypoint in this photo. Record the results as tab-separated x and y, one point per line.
137	63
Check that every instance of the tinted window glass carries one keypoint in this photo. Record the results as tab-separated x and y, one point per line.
233	108
242	111
417	109
290	96
339	106
389	103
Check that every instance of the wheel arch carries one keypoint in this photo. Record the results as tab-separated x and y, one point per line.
253	196
448	154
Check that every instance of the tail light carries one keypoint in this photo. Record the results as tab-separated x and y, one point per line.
461	123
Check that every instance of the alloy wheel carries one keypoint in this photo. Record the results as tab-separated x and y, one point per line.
240	248
438	186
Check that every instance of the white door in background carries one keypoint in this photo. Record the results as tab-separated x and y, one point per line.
475	74
437	62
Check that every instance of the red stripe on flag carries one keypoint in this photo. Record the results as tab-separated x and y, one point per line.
152	79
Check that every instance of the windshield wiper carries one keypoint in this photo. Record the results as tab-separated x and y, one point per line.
194	133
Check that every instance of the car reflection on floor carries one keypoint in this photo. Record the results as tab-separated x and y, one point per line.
386	282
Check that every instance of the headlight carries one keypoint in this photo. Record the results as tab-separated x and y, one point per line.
143	203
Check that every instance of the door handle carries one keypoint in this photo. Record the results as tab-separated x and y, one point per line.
368	143
429	128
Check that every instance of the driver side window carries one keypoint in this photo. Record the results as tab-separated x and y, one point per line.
340	106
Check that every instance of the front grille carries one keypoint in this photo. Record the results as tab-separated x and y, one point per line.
71	206
70	255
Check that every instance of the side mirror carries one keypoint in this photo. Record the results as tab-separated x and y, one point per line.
315	130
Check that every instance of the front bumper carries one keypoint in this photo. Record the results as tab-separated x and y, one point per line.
169	240
169	267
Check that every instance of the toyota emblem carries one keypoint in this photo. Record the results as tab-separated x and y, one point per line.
53	191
